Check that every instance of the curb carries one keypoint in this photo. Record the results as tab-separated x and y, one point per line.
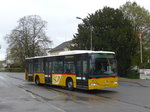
136	82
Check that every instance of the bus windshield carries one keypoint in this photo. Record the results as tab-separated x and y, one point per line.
103	64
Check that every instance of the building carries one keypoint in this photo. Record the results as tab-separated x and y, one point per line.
60	48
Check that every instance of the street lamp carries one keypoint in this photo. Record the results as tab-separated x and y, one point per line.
91	30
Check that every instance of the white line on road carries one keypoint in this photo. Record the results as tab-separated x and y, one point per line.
39	98
1	77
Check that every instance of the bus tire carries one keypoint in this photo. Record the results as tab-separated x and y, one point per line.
37	80
69	84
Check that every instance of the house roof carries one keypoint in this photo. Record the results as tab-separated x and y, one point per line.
61	46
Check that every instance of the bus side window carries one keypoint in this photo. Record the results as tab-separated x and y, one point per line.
57	67
46	67
84	67
30	68
38	66
79	68
69	67
35	67
50	66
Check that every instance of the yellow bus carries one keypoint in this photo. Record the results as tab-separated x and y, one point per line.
74	69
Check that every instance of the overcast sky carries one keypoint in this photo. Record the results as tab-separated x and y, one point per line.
60	15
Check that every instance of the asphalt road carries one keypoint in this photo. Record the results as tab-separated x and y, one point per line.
18	95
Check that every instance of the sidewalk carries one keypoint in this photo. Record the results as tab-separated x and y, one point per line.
141	82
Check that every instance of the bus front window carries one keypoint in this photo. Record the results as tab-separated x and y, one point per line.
103	65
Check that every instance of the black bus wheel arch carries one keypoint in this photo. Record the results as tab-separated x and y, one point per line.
69	84
37	80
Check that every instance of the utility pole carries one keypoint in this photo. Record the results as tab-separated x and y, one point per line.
91	29
141	52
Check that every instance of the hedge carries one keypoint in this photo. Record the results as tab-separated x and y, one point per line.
14	69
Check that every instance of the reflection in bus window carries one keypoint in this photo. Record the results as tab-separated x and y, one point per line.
30	68
69	67
57	67
84	67
104	64
38	67
79	68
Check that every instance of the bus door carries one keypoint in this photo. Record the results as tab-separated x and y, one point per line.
81	69
48	72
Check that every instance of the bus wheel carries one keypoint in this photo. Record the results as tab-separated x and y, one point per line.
69	84
37	80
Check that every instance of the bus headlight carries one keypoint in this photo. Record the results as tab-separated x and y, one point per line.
93	84
115	82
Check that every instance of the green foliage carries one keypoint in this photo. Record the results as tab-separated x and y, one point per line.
133	75
140	18
1	64
111	32
14	70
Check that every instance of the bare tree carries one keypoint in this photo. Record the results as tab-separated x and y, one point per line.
28	39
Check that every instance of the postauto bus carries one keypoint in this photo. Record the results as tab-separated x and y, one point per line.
74	69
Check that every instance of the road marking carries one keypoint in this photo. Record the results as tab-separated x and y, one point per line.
33	96
40	98
1	77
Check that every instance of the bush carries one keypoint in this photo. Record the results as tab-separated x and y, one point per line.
133	75
145	66
14	69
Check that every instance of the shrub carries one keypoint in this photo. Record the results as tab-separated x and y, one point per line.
14	69
133	75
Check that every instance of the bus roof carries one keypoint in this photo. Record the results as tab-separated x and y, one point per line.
73	52
83	52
